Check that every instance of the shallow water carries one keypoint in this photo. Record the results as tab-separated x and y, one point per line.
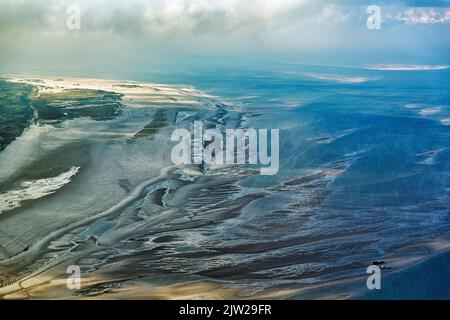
363	176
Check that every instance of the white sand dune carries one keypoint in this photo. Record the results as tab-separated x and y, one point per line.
132	90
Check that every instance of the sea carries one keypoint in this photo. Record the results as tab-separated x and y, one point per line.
364	177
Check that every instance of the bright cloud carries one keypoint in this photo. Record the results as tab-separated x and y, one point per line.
152	16
200	16
31	29
424	16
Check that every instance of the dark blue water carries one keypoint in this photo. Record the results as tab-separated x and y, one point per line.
429	280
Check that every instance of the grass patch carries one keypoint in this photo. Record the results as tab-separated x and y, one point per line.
75	103
159	121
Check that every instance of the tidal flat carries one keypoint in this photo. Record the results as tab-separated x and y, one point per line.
88	182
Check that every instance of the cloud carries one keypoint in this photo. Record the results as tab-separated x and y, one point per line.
38	30
193	17
424	16
151	16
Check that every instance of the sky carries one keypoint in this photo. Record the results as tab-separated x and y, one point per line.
112	33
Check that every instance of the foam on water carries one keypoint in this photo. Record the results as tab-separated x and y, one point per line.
413	106
429	111
184	115
340	78
31	190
